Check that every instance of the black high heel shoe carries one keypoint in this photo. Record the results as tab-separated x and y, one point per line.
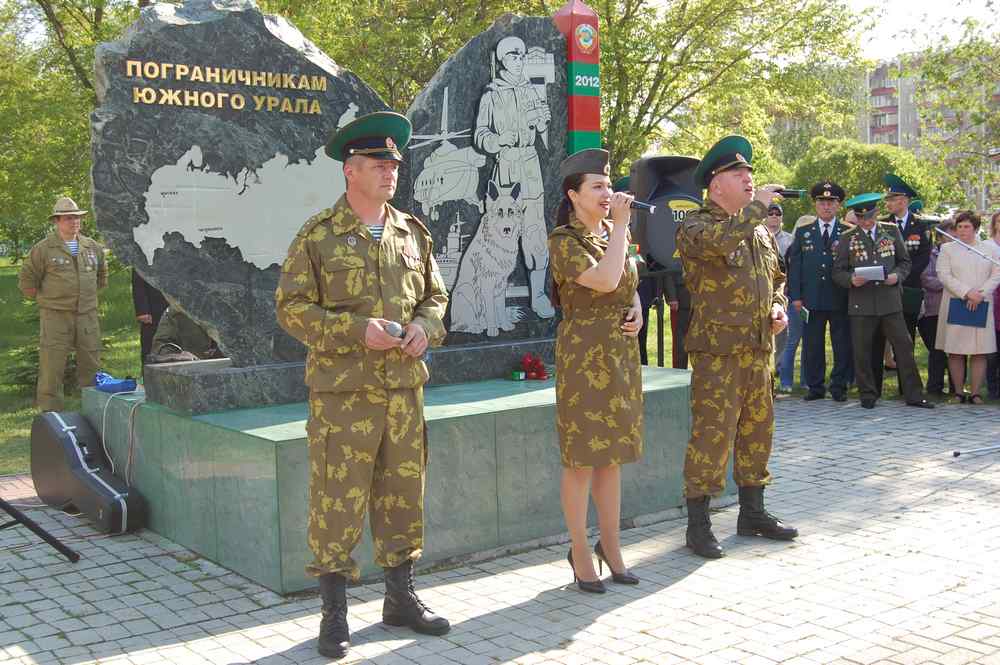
617	578
597	586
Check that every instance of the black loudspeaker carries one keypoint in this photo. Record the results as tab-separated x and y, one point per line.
668	183
70	472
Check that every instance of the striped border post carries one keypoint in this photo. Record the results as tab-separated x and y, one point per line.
578	24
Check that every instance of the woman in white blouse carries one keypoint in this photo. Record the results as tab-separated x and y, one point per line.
972	279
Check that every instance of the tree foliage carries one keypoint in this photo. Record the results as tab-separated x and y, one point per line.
685	72
46	96
960	107
859	168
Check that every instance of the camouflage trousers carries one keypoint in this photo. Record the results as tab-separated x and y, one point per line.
60	333
365	449
731	407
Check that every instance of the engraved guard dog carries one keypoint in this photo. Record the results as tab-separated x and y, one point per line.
479	299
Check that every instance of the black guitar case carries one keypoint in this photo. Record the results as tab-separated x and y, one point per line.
72	473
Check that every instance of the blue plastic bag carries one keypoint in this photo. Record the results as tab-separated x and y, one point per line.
109	384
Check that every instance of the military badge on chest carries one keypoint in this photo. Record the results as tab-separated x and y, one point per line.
736	256
411	254
912	242
858	250
885	248
809	242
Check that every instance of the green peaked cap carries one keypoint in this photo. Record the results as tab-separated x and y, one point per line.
897	186
863	203
380	135
729	153
622	184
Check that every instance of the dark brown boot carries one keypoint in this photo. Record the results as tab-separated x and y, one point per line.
755	521
334	635
402	607
699	532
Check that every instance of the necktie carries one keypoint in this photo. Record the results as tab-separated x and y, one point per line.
826	236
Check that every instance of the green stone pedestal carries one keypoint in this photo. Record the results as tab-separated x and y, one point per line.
233	486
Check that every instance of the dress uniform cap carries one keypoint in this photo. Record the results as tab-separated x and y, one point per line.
622	184
591	160
916	205
66	206
827	190
380	135
863	204
731	152
897	187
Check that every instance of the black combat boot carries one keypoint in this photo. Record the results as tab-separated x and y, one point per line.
403	608
755	521
334	636
699	532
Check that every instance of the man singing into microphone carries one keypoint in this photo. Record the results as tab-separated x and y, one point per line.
738	305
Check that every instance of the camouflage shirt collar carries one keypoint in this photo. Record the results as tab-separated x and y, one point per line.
576	224
717	212
396	219
343	219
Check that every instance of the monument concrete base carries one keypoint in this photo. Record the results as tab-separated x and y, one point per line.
233	486
208	386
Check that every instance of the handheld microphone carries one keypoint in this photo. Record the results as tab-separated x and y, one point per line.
640	205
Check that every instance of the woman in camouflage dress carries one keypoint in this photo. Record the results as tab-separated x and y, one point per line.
598	378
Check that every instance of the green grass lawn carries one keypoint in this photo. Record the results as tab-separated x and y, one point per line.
120	356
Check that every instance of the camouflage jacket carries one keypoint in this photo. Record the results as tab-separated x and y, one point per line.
63	281
336	277
732	272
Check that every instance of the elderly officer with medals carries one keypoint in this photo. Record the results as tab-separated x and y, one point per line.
731	266
355	274
871	262
817	299
63	273
917	239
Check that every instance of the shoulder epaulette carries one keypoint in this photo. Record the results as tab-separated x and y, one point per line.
314	220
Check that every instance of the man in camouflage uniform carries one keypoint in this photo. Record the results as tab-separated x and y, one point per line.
352	272
62	274
731	267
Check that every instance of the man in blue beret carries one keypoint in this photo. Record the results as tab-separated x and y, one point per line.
871	262
738	305
811	288
360	288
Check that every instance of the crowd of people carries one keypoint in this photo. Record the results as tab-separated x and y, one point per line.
361	289
861	322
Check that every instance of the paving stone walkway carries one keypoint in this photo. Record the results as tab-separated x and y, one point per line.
899	562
